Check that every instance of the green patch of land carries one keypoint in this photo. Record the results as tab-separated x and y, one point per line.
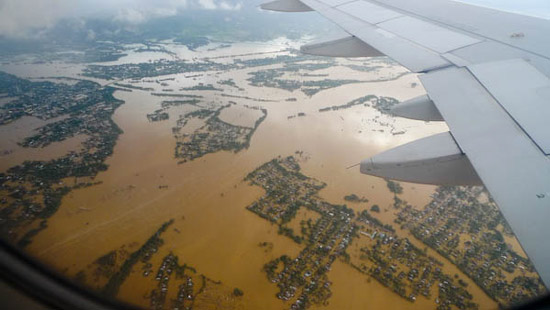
130	86
303	281
466	227
215	135
32	192
171	283
272	78
202	87
152	69
382	104
355	198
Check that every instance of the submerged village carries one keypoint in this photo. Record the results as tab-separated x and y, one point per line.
381	254
211	114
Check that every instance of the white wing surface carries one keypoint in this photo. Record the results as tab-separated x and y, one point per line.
487	74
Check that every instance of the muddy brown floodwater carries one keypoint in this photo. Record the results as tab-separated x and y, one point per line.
145	186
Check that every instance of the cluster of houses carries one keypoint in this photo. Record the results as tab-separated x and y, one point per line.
185	295
391	260
468	229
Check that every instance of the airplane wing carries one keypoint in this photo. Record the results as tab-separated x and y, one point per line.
486	74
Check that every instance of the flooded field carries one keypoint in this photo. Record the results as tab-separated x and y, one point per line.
12	154
145	185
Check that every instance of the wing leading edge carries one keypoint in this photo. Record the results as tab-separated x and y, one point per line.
486	74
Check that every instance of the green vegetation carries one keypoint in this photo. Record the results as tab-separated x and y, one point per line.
174	103
168	67
215	135
143	253
133	87
248	98
192	42
175	95
158	116
169	284
355	198
394	187
388	258
32	192
152	69
272	78
382	104
230	83
470	233
238	292
202	87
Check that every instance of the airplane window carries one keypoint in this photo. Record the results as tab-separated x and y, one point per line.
191	155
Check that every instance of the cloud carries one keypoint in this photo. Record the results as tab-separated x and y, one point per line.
91	35
228	6
20	18
131	16
220	5
208	4
16	16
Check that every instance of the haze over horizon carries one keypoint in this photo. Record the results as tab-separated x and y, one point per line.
31	18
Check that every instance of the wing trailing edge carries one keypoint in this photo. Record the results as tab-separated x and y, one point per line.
347	46
490	86
435	159
286	6
420	108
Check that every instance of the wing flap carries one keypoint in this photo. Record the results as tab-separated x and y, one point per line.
436	38
420	108
333	3
523	32
510	165
348	46
523	91
497	112
286	6
435	159
368	12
